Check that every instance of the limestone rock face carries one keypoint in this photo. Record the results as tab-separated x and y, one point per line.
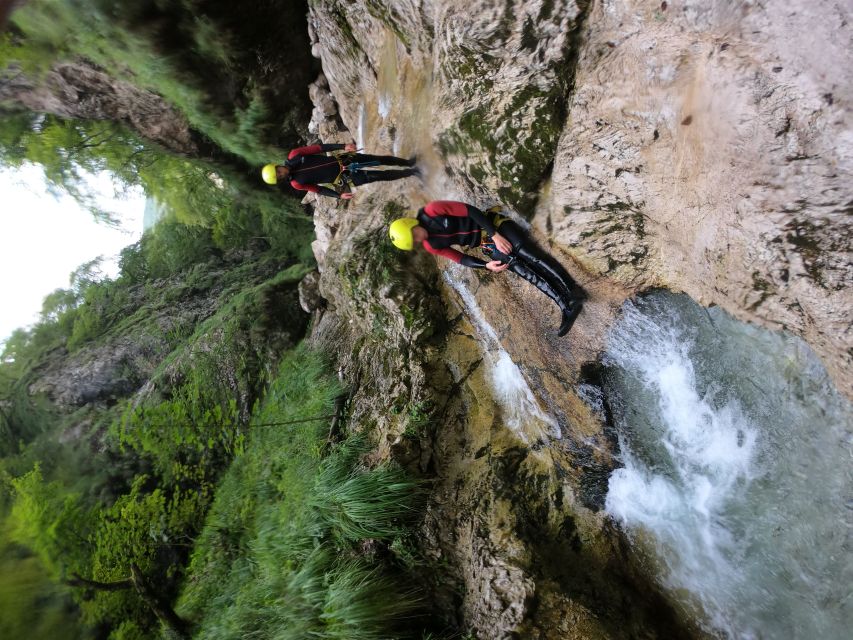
708	149
503	519
309	293
690	145
101	374
485	80
80	90
695	145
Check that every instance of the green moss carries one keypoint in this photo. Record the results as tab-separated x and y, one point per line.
639	225
388	16
477	173
530	155
505	26
616	206
419	418
393	210
546	10
342	23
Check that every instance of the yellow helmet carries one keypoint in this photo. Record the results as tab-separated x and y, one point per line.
268	174
401	233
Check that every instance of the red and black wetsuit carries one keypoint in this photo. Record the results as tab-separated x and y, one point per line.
309	168
448	223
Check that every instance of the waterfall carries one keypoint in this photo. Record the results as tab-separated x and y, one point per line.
737	478
518	404
362	126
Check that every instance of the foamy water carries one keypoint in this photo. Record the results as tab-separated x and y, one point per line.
737	476
362	126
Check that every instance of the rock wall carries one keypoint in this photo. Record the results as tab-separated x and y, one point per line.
474	76
162	327
79	90
705	147
512	533
513	528
686	145
708	149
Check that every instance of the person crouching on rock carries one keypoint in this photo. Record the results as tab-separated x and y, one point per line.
309	169
443	223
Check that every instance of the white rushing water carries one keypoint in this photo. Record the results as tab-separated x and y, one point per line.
738	470
519	407
362	126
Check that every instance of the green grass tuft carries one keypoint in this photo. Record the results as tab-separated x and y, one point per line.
280	554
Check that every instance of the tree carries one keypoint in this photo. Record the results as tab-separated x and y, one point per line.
50	522
146	590
6	7
70	152
119	547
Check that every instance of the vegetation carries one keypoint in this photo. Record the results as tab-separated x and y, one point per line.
297	541
159	495
229	74
195	193
117	506
231	78
283	550
189	485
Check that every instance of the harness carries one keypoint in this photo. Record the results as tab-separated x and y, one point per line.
346	169
445	231
487	245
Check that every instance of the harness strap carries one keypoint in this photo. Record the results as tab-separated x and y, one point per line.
342	176
487	245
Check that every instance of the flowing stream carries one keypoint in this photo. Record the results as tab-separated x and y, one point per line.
737	482
518	404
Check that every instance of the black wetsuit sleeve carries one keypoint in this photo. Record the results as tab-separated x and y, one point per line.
324	191
482	219
332	147
472	262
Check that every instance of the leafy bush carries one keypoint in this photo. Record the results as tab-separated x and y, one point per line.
188	436
49	521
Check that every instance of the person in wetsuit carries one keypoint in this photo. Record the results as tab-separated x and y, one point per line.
308	168
443	223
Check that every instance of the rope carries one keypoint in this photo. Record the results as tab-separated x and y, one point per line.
273	424
357	166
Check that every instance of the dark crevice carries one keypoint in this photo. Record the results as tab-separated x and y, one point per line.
572	56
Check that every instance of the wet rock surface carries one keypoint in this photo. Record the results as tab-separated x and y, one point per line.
672	155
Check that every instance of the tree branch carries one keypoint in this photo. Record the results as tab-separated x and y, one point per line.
77	581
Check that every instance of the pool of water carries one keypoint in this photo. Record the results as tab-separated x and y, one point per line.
737	470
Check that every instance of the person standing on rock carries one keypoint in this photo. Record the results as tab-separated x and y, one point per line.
443	223
309	169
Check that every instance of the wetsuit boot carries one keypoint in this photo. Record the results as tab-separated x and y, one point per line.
569	317
570	308
552	270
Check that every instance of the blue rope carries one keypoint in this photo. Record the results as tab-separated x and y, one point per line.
357	166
